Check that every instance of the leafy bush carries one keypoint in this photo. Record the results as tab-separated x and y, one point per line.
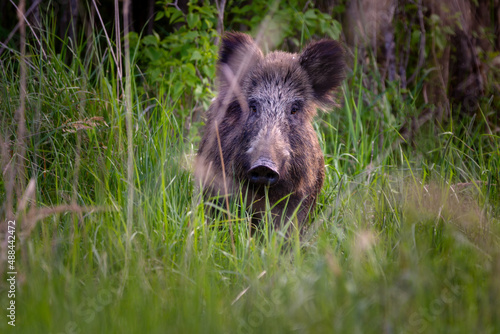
184	59
293	21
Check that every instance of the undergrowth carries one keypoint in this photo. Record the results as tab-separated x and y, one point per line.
405	237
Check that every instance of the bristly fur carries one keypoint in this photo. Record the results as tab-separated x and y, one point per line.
264	112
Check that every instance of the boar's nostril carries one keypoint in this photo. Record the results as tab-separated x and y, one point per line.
263	174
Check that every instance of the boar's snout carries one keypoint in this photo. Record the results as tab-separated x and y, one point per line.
263	172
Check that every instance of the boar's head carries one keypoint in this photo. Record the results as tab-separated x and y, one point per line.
259	131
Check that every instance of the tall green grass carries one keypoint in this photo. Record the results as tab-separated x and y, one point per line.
405	237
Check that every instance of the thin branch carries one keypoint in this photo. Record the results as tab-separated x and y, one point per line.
246	289
404	62
24	19
13	32
128	106
110	46
118	42
225	188
390	49
21	122
220	21
176	5
421	56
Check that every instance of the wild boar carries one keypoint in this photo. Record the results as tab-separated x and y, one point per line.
258	134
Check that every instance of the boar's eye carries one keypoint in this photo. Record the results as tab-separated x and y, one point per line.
253	108
295	108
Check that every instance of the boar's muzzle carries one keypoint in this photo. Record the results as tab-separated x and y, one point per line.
263	172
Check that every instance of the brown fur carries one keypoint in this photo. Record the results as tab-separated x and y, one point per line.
264	111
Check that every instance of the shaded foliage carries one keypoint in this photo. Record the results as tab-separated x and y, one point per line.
447	51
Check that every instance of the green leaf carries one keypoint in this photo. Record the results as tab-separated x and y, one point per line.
209	71
189	68
192	20
196	55
150	40
209	24
440	41
155	74
435	19
159	16
176	17
310	14
153	53
190	36
415	37
334	30
198	90
178	87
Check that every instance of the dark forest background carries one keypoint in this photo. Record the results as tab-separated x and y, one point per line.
451	47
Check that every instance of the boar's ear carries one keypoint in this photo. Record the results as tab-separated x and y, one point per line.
238	53
324	63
